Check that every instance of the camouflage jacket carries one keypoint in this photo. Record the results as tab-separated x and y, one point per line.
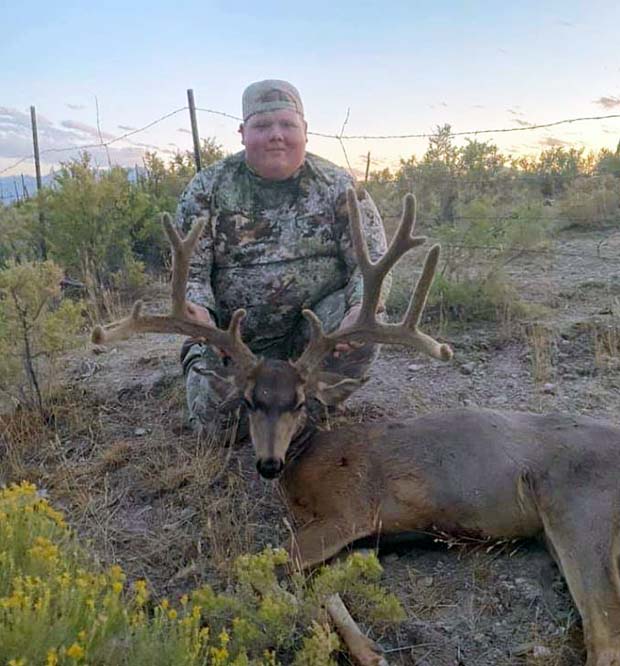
274	247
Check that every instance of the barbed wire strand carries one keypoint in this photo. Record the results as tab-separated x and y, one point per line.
109	142
344	150
427	135
340	137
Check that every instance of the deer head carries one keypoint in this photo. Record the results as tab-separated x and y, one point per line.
275	392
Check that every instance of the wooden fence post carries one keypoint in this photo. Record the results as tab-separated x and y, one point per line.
37	166
195	136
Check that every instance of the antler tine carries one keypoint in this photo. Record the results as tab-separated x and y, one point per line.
417	301
119	329
228	340
373	274
182	249
367	328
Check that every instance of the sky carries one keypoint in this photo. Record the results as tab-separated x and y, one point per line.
362	69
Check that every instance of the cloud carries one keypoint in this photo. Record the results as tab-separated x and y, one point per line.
551	142
608	102
20	119
76	107
479	106
566	24
514	112
182	129
60	143
86	129
522	123
152	147
126	128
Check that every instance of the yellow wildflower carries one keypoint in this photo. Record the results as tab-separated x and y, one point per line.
172	614
52	658
76	651
116	573
219	656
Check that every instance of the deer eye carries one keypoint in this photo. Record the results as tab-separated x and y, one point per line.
249	405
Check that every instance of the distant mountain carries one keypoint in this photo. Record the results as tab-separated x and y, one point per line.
13	188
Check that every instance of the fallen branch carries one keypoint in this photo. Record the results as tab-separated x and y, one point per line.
364	651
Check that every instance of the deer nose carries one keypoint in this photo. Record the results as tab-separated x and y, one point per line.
269	468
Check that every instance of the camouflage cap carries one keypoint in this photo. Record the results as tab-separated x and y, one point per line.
270	95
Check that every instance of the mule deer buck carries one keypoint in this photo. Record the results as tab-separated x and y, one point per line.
482	472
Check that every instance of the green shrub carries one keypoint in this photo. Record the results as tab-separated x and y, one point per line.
57	610
592	202
35	327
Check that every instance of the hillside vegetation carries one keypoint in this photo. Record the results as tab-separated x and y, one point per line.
528	294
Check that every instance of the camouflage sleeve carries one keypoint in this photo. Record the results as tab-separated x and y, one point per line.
374	233
196	202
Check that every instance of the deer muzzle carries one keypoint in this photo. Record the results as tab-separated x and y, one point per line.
269	468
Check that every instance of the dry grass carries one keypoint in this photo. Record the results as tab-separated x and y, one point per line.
541	341
606	344
174	509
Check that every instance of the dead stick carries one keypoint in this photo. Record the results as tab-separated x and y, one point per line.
364	651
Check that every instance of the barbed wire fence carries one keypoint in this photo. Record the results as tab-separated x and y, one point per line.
340	137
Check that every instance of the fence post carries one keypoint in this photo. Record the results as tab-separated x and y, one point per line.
367	168
195	137
37	167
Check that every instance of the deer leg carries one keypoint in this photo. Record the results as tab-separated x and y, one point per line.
587	549
319	540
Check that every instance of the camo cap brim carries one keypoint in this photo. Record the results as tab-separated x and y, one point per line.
270	95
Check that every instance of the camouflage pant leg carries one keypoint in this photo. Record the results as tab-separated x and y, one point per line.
205	396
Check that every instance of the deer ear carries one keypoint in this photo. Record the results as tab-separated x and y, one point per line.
332	389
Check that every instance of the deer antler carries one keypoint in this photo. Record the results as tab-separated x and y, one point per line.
366	328
177	321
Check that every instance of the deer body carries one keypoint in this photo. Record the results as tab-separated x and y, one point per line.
477	472
480	472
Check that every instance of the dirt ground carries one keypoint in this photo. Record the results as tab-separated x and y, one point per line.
175	510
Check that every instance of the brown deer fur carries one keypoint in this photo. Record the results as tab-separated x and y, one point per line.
481	472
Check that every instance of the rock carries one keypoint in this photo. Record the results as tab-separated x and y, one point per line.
467	368
414	367
100	349
427	581
540	651
549	388
529	589
139	432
